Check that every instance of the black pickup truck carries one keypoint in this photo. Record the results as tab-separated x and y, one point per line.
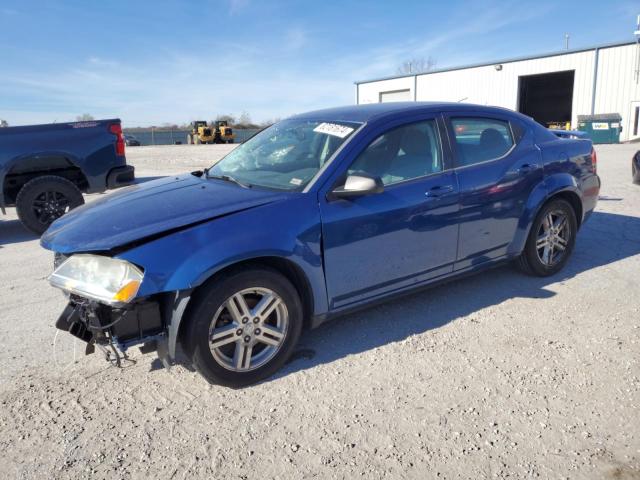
44	169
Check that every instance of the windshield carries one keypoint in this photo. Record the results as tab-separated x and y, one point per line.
285	156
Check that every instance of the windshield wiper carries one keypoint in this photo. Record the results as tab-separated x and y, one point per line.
228	178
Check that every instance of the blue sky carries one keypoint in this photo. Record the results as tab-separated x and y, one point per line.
150	62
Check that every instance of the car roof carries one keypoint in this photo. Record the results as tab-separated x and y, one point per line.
374	111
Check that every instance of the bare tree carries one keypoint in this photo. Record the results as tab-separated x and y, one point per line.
417	65
230	119
245	118
85	117
3	123
268	122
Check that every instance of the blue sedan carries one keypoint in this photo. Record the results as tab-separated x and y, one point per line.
320	214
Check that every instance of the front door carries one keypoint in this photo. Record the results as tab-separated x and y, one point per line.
407	234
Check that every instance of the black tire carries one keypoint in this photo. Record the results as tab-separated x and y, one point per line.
44	199
230	141
530	260
208	303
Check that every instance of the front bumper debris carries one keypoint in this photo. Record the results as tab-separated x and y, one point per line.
114	329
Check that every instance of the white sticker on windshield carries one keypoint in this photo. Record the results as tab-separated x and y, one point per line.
295	181
333	129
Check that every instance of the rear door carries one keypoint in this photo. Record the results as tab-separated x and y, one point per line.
497	165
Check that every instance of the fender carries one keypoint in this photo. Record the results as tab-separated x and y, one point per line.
551	186
208	257
211	249
178	300
7	167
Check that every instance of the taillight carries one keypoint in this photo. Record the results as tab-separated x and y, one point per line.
594	160
116	129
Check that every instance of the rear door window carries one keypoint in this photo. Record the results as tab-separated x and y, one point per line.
481	139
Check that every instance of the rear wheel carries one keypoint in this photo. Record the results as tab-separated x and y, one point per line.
244	326
45	199
551	240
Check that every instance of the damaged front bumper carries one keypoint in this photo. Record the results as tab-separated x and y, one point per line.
115	330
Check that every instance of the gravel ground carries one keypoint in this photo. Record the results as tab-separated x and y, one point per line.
494	376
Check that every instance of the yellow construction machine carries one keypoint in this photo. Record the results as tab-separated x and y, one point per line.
202	133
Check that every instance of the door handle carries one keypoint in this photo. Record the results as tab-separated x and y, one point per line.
527	167
438	191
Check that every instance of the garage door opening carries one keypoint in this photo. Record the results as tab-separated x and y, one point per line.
547	97
395	96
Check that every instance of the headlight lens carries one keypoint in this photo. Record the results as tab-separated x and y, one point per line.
105	279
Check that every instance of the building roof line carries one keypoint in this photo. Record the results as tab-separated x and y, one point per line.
496	62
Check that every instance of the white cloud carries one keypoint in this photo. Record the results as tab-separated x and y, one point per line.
178	89
179	86
101	62
295	38
237	6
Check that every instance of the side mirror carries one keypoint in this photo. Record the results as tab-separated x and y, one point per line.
358	185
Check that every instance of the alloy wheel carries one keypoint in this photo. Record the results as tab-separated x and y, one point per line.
553	238
248	329
49	206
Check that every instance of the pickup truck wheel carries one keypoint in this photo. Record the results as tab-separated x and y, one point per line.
551	240
45	199
243	327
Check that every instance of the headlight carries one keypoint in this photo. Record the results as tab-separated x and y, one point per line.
105	279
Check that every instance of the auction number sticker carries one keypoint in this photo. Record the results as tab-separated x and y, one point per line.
333	129
600	126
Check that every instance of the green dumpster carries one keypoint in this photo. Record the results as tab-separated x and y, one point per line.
601	128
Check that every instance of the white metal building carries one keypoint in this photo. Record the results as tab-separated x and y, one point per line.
556	87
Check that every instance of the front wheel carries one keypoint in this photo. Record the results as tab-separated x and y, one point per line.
551	240
244	326
44	199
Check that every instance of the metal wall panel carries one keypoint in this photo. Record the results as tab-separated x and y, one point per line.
489	86
617	85
486	85
370	92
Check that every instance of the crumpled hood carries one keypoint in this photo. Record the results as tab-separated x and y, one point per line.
148	210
